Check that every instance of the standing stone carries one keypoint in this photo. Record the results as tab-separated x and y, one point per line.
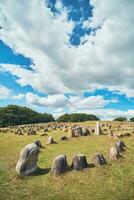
79	162
98	129
27	162
31	132
119	145
44	134
59	165
46	130
85	131
72	133
50	140
76	131
98	159
114	154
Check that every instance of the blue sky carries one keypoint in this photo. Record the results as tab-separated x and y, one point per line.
68	56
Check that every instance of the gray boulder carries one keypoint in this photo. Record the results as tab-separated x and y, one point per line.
120	146
31	132
76	131
50	140
98	129
18	132
27	162
59	165
63	137
85	131
114	153
46	130
98	159
79	162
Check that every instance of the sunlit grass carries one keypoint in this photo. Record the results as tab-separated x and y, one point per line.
112	182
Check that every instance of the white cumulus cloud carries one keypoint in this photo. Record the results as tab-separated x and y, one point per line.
59	67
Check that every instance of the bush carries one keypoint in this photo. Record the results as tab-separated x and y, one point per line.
131	119
120	119
77	117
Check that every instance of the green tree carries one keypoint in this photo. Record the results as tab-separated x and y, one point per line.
131	119
77	117
16	115
120	119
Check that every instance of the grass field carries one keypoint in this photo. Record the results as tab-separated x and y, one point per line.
114	181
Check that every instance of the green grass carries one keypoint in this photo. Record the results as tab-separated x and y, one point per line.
112	182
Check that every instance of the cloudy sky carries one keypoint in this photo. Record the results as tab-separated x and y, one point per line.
60	56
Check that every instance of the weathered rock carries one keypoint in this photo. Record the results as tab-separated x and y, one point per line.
59	165
72	133
18	132
110	133
46	130
98	159
31	132
114	154
38	143
79	162
119	145
85	131
27	162
98	129
53	128
63	137
76	131
50	140
92	129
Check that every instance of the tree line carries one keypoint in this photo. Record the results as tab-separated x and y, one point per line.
77	117
12	115
124	119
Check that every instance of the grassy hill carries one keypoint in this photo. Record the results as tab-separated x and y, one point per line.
114	181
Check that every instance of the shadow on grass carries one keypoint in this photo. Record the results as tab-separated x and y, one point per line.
40	171
91	165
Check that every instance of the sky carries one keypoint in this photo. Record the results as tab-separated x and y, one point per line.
64	56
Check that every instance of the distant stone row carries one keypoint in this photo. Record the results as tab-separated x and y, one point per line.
27	162
112	129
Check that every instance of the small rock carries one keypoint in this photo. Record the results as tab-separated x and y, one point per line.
98	159
50	140
85	131
63	137
119	145
114	154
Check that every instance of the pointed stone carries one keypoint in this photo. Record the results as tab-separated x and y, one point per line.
114	154
79	162
98	159
50	140
98	129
